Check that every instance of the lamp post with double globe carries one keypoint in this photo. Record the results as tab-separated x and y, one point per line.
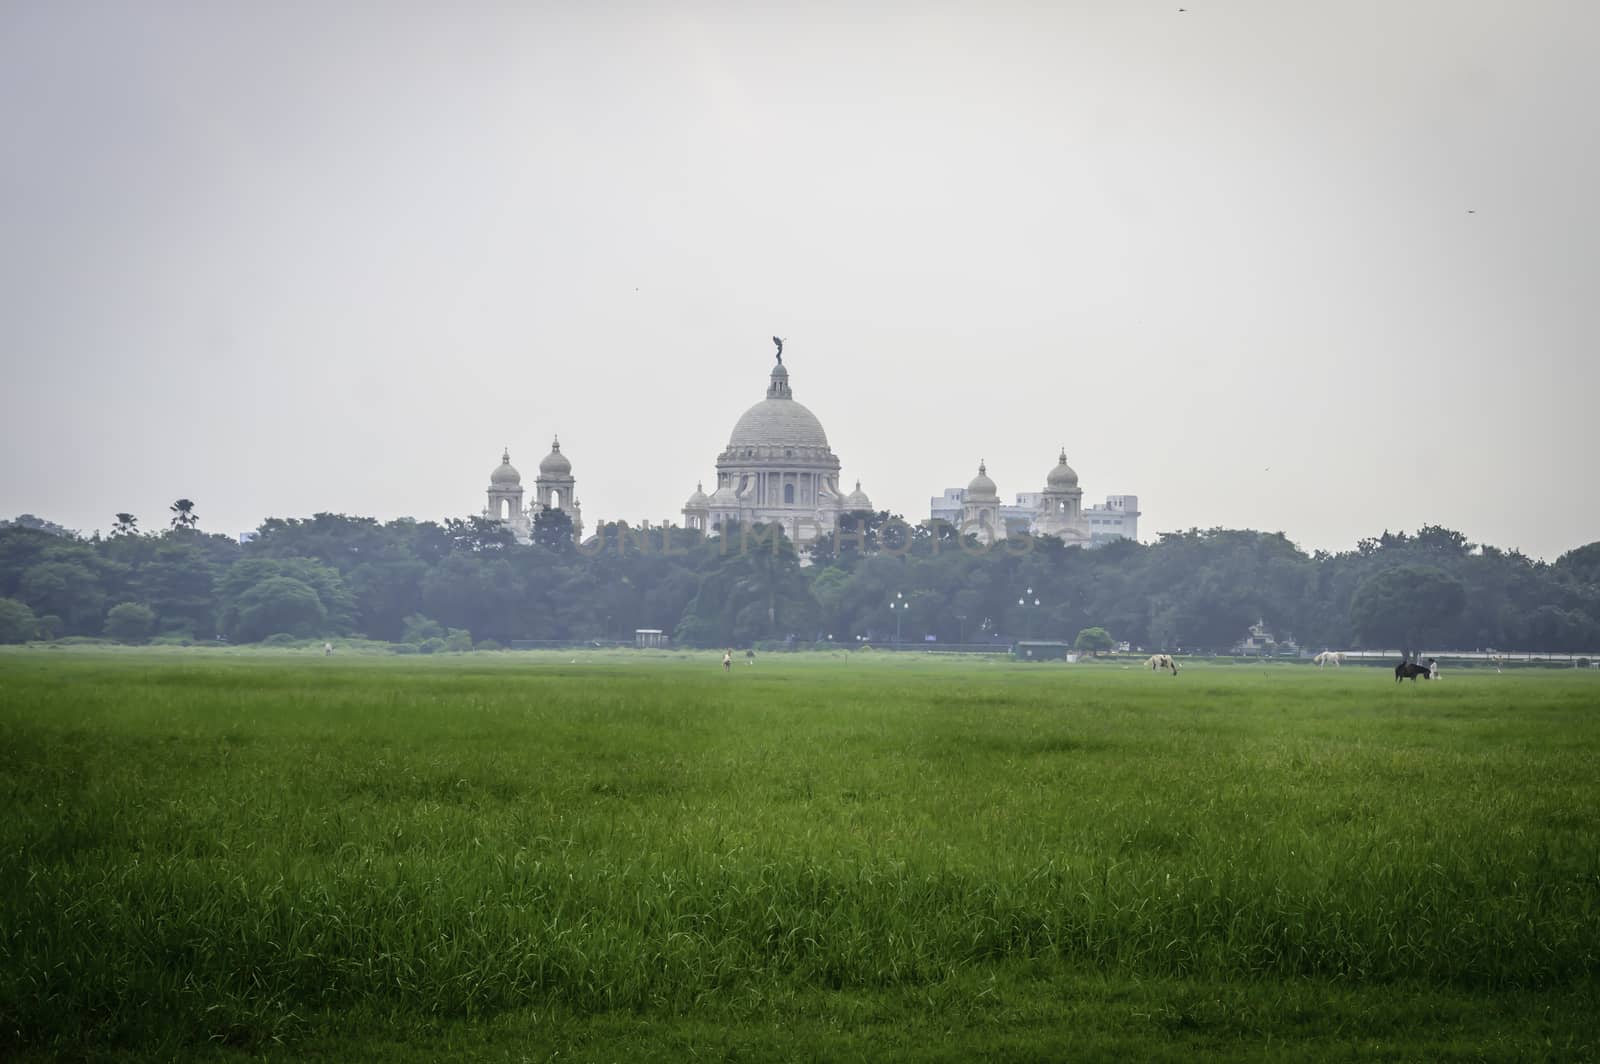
1028	603
899	605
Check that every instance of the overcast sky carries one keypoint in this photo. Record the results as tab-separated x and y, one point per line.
1325	268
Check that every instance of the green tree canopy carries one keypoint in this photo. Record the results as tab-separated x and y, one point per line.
183	515
1405	606
552	530
130	622
17	622
1095	640
280	604
1196	589
418	628
1583	564
336	607
68	590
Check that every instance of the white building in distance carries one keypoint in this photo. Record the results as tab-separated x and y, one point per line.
776	469
779	469
1057	511
553	489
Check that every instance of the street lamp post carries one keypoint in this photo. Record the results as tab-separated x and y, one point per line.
1026	601
899	605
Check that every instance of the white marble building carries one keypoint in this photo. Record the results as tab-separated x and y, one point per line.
554	488
776	469
1057	511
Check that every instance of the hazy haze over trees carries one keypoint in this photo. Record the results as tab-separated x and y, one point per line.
439	585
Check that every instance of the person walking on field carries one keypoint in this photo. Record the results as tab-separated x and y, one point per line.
727	660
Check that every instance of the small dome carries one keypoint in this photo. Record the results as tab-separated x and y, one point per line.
981	487
698	500
555	463
507	474
857	500
1062	477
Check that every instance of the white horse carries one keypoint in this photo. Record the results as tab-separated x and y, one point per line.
1329	657
1162	661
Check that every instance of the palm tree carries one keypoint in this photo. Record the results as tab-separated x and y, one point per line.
127	525
183	515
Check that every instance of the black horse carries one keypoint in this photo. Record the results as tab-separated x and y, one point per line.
1410	670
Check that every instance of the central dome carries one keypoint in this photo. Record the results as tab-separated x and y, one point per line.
778	423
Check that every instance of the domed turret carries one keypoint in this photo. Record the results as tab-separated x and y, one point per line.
980	510
857	500
505	498
555	489
1062	477
1059	508
981	486
697	511
506	475
555	463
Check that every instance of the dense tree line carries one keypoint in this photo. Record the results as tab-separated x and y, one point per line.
464	581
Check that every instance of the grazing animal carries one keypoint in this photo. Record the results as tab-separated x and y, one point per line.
1410	670
1329	657
1162	661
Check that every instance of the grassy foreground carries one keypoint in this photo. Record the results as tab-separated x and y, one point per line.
630	857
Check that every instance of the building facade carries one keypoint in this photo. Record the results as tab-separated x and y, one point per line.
554	489
1117	519
777	469
1057	511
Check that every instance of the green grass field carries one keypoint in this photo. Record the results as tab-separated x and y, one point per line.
525	857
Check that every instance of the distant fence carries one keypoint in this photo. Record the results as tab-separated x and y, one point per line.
938	648
1478	657
1351	657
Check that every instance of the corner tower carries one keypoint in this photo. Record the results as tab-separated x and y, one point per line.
1060	511
556	489
505	498
980	509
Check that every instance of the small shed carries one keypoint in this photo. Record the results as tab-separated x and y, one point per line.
646	638
1040	650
